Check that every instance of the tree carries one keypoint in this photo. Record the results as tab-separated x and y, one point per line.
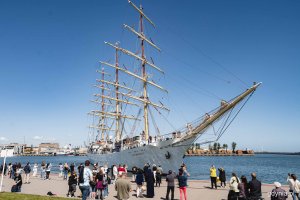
215	146
225	146
233	145
218	147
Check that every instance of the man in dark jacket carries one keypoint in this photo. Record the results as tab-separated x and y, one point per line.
27	170
254	187
171	184
278	193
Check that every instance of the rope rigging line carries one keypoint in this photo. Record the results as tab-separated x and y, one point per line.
204	54
154	123
165	118
135	122
235	115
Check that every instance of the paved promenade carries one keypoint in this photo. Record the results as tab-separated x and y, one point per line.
197	190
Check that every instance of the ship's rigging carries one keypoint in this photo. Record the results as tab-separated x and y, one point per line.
120	102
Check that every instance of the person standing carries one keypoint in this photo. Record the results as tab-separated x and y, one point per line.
222	176
61	169
9	170
100	184
35	169
48	170
43	170
278	193
134	171
158	177
294	186
254	187
114	173
139	183
182	181
213	177
72	182
243	189
233	187
66	170
122	186
170	184
85	176
149	177
27	170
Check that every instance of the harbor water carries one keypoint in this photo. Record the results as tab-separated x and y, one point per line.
269	168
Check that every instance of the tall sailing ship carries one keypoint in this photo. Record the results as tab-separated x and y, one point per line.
115	103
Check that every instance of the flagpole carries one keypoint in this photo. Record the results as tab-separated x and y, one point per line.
3	169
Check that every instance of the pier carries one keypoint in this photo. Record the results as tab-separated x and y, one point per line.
195	189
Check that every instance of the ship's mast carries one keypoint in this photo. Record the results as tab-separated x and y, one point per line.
144	75
102	106
117	133
143	99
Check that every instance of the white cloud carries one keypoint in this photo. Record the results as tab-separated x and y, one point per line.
3	138
38	137
44	139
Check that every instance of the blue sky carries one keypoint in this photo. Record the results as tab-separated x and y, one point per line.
50	51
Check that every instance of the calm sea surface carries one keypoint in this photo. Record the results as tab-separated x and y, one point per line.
269	168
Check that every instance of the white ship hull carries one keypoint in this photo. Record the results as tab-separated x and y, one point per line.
168	154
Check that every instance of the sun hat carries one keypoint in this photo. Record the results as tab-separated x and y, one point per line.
277	184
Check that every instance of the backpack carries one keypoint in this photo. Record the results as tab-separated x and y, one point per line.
81	179
27	169
14	188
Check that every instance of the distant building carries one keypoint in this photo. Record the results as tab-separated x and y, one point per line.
31	150
48	148
18	149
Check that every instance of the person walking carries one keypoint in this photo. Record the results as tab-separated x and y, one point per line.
123	187
233	187
27	170
139	183
213	177
278	193
294	186
222	176
254	187
85	176
182	181
170	184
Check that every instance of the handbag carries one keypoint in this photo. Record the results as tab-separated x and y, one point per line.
92	183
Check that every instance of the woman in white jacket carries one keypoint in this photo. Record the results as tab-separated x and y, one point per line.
294	186
233	187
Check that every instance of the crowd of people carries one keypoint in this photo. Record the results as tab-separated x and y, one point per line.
241	189
93	181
